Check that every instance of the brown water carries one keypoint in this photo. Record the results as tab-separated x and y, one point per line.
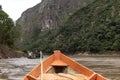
16	68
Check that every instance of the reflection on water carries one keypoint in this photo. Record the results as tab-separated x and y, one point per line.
16	68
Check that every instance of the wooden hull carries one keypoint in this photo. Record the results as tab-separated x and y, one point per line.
61	67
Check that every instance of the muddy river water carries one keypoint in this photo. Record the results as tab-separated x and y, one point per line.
16	68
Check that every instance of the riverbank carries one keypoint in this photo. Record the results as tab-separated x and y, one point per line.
6	52
107	53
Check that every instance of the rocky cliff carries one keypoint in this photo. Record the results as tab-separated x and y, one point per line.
46	16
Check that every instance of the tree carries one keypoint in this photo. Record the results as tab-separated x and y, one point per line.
0	7
6	25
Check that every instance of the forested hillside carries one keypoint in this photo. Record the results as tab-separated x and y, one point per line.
94	28
6	25
45	16
8	34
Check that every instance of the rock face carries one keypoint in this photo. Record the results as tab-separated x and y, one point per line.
47	15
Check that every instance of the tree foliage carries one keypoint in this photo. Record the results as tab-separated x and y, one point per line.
93	28
6	25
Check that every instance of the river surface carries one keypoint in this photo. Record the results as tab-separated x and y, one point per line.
16	68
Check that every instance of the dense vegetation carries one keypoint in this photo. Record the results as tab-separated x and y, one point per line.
6	29
93	28
8	35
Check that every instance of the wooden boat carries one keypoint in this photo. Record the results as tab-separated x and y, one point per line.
60	67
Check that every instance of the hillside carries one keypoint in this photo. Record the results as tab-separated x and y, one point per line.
7	36
93	28
44	17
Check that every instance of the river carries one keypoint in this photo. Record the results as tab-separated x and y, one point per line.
16	68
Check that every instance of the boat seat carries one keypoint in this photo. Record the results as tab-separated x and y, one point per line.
59	63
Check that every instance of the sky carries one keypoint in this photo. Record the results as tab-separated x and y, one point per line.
14	8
